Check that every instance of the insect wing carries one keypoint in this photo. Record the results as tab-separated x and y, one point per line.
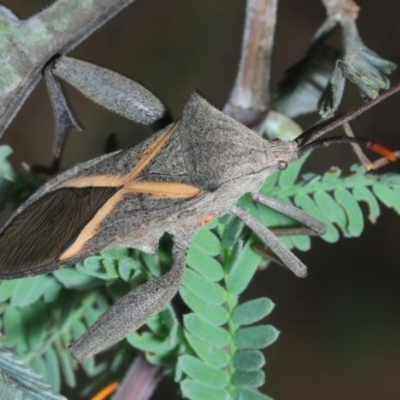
34	239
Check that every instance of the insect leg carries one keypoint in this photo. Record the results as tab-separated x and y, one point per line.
64	118
111	90
131	311
314	227
286	256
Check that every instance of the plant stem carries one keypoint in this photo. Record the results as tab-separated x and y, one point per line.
140	381
249	99
328	125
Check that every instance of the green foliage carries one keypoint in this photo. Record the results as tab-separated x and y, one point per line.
13	189
215	331
361	66
332	198
214	349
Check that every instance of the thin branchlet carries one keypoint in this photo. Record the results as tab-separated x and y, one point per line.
321	128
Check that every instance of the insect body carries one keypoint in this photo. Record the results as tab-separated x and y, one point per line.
169	183
191	170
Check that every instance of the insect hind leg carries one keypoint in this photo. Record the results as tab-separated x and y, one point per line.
131	311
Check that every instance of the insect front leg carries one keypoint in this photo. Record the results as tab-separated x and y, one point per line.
286	256
132	311
313	227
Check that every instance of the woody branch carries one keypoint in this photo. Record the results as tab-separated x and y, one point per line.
249	99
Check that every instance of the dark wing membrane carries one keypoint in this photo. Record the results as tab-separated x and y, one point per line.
39	234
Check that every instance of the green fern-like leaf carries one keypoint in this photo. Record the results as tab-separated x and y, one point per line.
41	341
330	197
226	359
13	189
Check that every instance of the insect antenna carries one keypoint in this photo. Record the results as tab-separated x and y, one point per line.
375	147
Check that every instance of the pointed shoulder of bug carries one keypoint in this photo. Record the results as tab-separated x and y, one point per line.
222	154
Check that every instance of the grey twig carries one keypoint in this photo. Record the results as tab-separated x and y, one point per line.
340	10
345	13
249	99
140	381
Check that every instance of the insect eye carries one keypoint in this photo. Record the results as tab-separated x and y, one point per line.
282	165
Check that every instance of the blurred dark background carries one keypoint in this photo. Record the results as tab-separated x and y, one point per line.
340	327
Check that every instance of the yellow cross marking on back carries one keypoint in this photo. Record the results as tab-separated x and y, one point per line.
128	184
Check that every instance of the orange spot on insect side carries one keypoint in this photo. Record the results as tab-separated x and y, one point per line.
208	218
104	393
382	150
